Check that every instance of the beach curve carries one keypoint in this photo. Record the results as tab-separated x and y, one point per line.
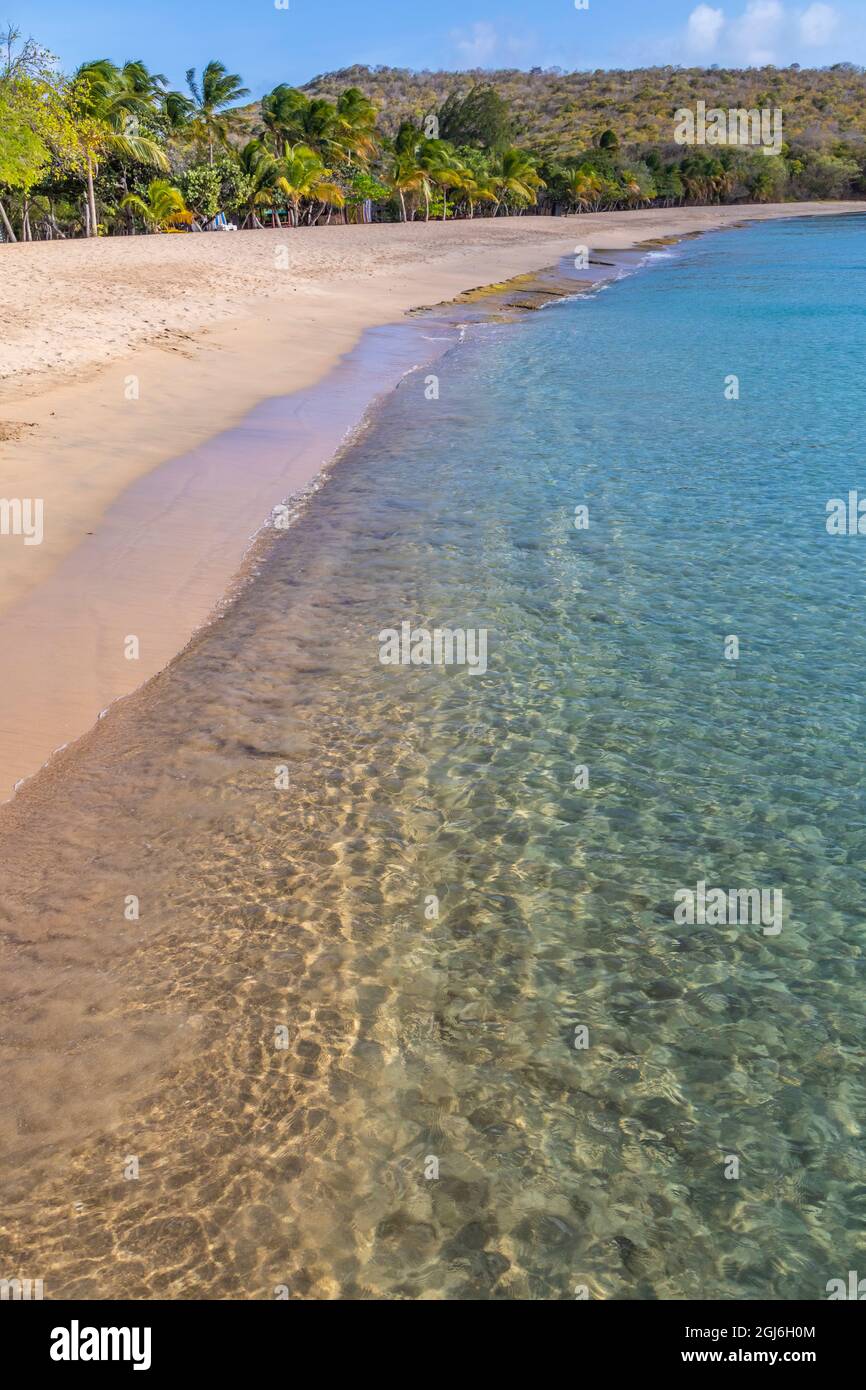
147	350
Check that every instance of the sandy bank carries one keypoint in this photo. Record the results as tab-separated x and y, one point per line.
121	355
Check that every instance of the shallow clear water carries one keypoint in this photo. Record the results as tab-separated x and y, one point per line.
413	1042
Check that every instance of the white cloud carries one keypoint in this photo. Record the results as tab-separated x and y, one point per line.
705	26
757	31
818	24
476	45
482	45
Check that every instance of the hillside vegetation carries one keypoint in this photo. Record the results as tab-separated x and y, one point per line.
556	112
112	149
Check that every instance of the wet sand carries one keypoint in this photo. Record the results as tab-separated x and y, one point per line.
124	364
162	559
298	911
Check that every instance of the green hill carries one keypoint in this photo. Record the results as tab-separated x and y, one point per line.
558	112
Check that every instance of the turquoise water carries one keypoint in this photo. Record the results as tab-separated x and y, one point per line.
418	1045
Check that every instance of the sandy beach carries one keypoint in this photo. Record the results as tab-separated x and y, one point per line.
122	363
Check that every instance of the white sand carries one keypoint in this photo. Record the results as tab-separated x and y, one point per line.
208	326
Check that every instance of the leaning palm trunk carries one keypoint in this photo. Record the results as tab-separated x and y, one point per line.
7	225
91	200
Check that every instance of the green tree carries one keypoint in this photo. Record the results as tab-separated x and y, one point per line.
261	177
355	126
202	190
482	119
405	174
35	126
303	177
364	187
211	120
282	115
163	208
515	179
107	104
582	187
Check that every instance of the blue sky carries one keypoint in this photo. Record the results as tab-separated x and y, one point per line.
269	45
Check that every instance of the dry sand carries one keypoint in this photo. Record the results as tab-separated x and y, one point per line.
121	362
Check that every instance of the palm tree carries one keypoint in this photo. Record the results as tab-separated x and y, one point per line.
582	187
448	172
290	117
435	161
419	163
476	188
163	208
355	125
144	83
406	175
302	175
706	179
282	114
107	104
611	193
635	190
262	174
217	90
514	175
178	111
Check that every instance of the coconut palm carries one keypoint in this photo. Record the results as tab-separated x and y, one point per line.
290	117
108	104
705	179
303	176
636	190
261	176
355	125
582	187
476	188
163	208
342	132
435	159
282	114
514	176
448	172
406	176
178	111
418	163
145	84
218	88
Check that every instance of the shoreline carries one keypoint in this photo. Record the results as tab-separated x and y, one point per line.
147	528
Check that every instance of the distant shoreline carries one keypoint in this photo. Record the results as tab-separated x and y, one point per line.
128	353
